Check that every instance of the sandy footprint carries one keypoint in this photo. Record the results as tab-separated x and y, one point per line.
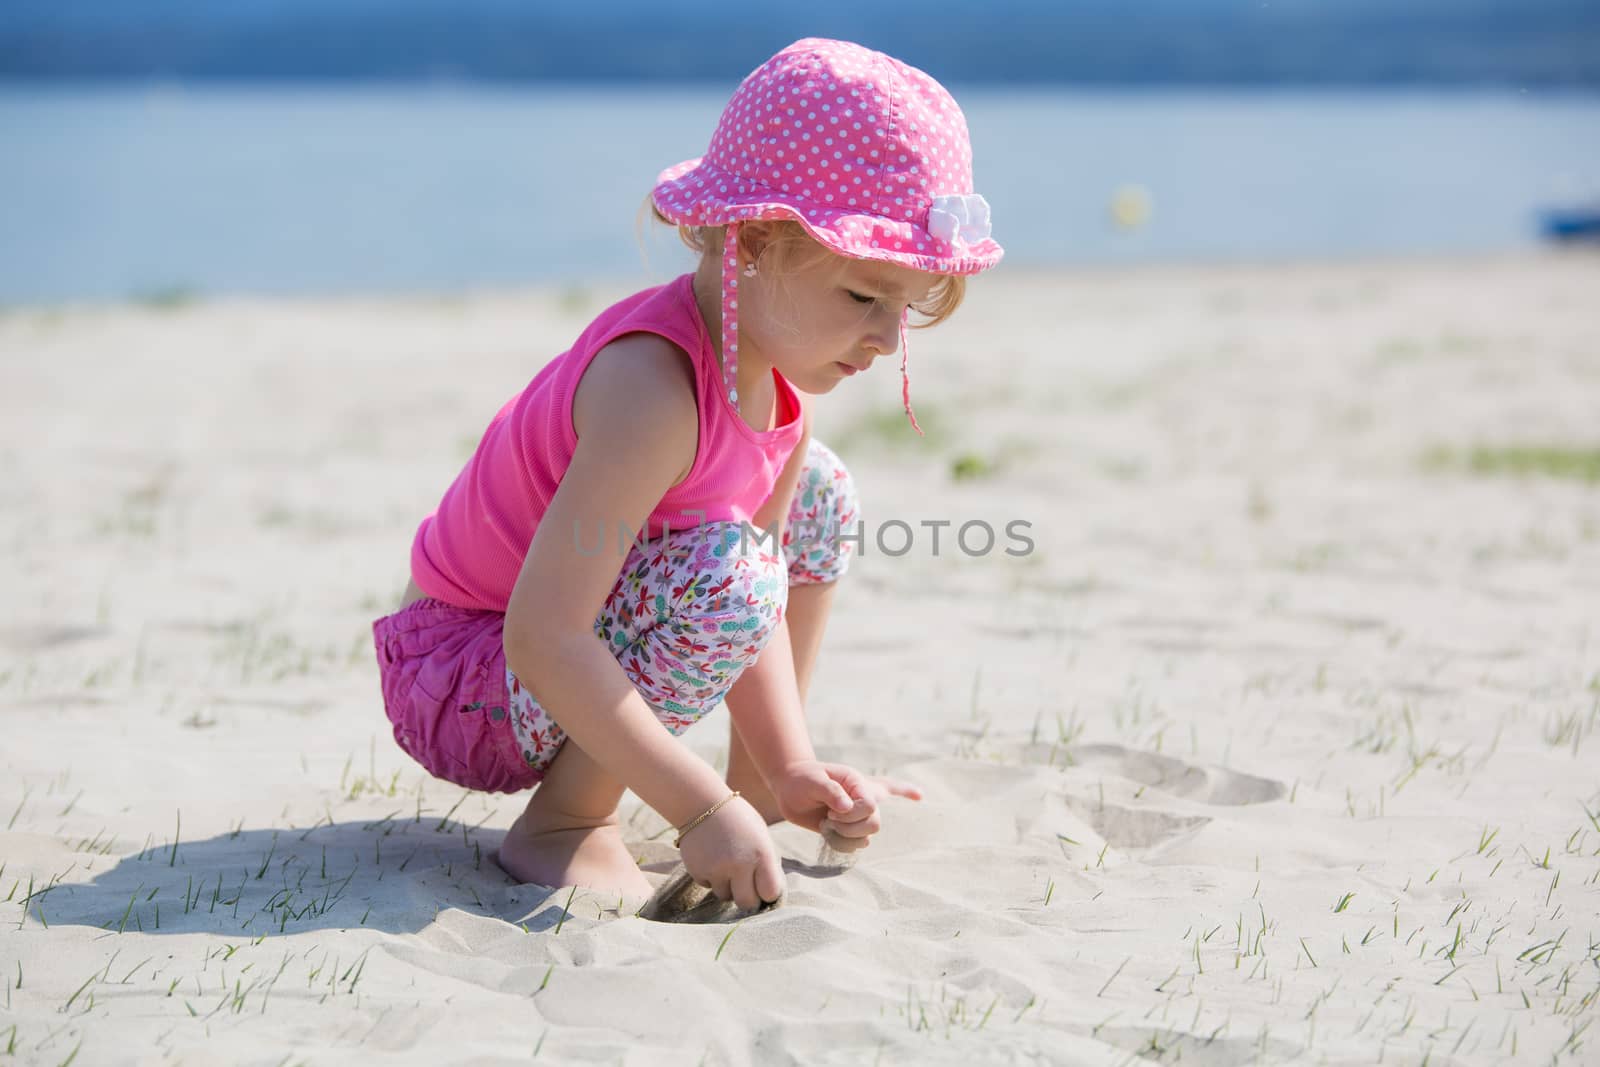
1175	777
1134	828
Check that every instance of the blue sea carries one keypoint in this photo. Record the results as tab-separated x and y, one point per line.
116	192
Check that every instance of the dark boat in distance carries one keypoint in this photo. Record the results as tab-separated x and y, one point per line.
1571	223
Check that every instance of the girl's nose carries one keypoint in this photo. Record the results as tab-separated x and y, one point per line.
884	336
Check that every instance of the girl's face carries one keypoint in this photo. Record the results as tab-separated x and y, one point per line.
823	321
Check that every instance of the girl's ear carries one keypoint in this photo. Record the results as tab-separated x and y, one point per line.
754	238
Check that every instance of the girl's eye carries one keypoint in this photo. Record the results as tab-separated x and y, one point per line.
860	299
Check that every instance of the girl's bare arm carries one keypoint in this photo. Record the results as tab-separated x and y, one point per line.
637	432
764	702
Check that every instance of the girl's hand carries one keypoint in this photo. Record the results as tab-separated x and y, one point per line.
836	800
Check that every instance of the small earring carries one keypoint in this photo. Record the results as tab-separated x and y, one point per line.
749	270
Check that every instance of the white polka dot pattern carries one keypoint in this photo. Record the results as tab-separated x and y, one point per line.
852	143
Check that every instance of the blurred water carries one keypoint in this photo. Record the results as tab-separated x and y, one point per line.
114	191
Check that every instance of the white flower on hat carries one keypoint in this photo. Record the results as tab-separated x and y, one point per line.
959	218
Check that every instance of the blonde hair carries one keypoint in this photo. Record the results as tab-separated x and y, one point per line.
792	249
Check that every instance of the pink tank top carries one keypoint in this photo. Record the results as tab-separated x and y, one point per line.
470	550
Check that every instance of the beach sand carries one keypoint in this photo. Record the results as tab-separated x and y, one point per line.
1279	746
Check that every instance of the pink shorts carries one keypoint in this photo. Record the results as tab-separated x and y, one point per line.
443	671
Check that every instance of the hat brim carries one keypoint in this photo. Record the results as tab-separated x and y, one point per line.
698	193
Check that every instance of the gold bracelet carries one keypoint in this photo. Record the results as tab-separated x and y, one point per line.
703	816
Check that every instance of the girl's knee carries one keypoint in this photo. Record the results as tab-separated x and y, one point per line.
737	593
823	530
711	612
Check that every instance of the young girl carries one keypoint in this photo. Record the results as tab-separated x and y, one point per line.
540	643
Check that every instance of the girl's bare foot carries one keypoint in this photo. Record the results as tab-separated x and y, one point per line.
590	856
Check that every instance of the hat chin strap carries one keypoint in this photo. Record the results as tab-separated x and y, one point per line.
730	313
905	377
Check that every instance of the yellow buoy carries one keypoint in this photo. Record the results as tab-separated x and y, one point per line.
1130	206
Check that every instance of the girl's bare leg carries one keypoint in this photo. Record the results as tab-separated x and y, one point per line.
807	617
570	833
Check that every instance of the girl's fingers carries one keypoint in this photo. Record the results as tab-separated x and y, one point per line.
851	780
769	877
828	791
840	801
869	824
745	894
861	809
879	787
899	788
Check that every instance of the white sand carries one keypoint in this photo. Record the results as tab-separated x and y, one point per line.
1262	658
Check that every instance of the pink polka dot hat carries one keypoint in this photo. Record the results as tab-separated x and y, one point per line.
869	154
